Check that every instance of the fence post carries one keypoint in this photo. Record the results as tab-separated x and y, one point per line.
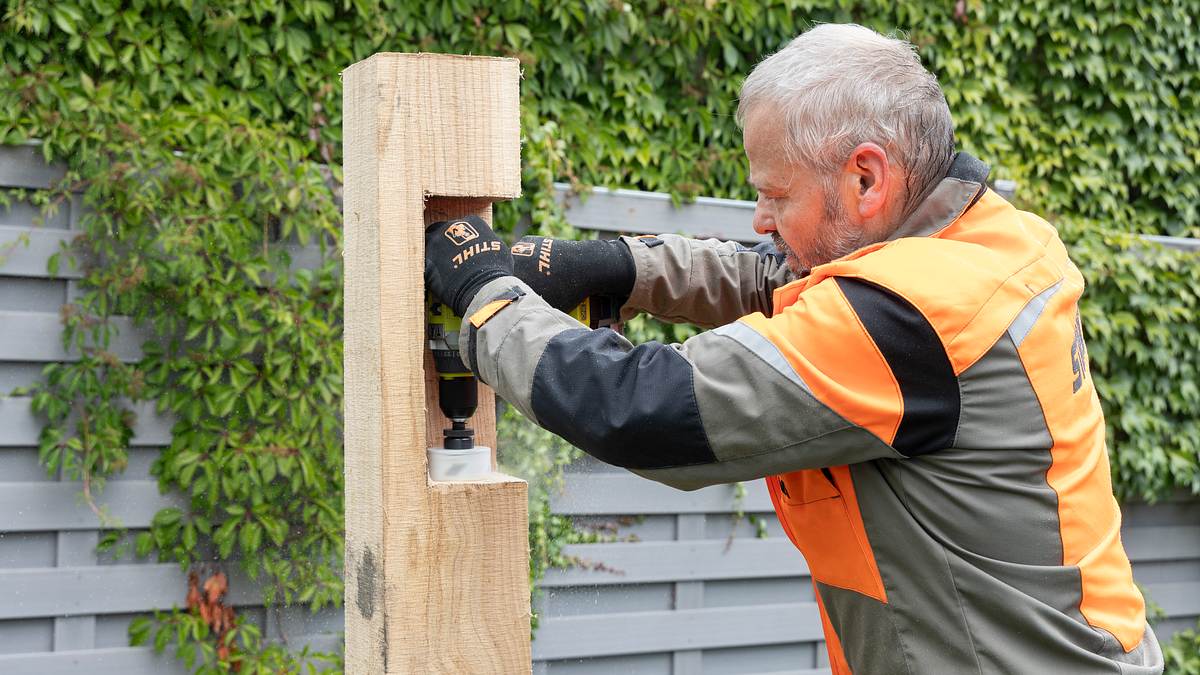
436	573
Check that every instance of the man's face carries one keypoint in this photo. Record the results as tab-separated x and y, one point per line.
803	213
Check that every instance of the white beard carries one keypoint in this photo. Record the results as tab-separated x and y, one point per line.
837	237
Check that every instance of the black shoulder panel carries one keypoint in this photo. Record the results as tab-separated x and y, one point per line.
634	408
918	361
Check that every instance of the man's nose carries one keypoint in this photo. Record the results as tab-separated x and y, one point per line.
763	222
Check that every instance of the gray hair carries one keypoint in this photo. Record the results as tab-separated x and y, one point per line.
840	85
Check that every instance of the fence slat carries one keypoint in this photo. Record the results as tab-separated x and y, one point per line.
117	589
24	166
108	661
106	589
614	210
24	251
46	506
669	630
1177	598
37	336
1147	544
126	660
620	494
1179	243
20	427
694	560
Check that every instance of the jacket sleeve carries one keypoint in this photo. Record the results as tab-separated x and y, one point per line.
702	281
847	374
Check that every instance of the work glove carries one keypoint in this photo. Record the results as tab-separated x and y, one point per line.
461	256
565	272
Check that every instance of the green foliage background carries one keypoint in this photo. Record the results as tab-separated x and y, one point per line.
205	133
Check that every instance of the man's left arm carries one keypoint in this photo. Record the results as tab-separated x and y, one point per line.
673	278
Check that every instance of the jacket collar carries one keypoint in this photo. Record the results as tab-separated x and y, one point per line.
963	185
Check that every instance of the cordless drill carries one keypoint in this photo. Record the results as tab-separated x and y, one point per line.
459	458
458	394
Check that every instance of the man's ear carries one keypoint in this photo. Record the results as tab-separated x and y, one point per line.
870	179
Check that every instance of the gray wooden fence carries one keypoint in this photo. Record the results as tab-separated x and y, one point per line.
697	592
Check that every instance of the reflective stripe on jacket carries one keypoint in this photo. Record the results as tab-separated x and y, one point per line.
922	413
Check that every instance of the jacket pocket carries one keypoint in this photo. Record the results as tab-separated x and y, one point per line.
832	539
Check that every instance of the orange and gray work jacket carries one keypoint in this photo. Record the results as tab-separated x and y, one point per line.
921	411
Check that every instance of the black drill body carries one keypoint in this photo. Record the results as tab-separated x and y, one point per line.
458	391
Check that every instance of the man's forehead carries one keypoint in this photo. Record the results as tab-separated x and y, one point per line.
765	129
770	173
765	139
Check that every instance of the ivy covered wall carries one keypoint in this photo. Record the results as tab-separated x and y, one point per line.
1090	106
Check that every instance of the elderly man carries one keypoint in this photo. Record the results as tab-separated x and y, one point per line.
905	367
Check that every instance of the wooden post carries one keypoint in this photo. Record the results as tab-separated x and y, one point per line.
437	574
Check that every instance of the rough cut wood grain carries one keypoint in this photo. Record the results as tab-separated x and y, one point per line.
436	573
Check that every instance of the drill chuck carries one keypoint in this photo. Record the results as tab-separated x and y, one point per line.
458	397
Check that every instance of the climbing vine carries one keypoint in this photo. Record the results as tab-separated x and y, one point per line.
245	355
205	137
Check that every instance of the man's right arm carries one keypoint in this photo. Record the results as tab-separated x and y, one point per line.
702	281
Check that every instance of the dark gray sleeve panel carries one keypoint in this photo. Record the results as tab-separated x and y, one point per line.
629	406
506	349
706	282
